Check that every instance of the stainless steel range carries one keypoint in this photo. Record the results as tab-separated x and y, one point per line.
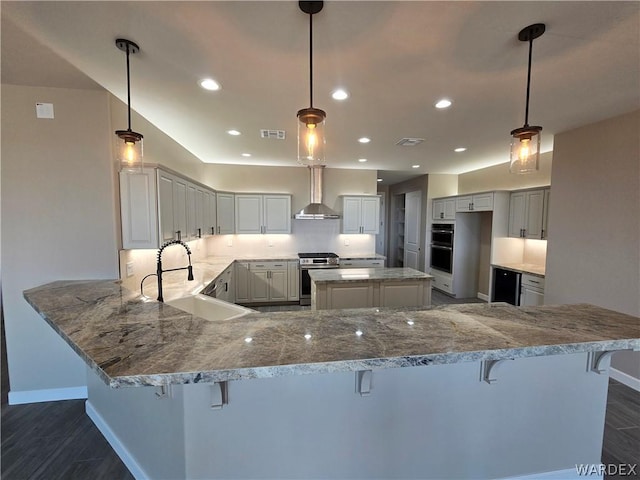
309	261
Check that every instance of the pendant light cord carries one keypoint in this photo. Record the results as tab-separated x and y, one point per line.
526	114
128	91
311	60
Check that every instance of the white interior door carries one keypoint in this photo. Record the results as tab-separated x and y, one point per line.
413	207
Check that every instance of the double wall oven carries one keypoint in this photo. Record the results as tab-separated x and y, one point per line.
309	261
442	246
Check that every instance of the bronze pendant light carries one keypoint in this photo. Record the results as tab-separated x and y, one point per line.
129	149
525	141
311	139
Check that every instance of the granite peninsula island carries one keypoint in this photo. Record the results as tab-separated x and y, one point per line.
465	391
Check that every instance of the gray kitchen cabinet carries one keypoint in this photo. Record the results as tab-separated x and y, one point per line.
527	214
262	213
157	206
444	209
268	282
225	213
479	202
293	271
531	290
242	285
224	285
361	263
361	214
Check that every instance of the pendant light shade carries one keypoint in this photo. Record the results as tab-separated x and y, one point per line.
129	143
311	138
525	141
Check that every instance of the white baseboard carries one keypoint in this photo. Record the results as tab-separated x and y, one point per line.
47	395
130	462
628	380
568	474
483	296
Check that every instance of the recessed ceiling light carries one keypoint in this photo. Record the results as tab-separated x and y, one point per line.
340	94
364	140
415	166
209	84
379	179
459	149
233	132
362	160
246	154
444	103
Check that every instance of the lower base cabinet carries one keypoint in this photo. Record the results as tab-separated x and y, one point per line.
442	281
267	282
367	294
531	290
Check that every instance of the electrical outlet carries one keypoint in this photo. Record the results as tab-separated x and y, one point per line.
270	242
229	241
130	269
346	241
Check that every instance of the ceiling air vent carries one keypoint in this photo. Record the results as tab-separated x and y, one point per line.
409	142
272	134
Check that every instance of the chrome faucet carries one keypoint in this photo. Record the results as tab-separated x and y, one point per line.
160	271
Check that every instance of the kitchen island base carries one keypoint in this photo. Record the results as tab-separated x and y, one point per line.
522	417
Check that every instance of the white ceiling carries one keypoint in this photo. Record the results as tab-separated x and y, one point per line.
396	59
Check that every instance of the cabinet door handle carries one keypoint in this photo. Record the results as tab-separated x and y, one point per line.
441	215
199	233
542	234
179	234
213	230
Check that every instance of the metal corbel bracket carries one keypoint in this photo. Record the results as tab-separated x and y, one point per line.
595	359
364	380
219	395
488	369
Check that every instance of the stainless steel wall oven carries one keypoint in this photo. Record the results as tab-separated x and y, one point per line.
442	246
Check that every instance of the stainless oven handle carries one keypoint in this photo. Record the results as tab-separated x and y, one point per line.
442	231
441	247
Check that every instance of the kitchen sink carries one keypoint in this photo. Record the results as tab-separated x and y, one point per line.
209	308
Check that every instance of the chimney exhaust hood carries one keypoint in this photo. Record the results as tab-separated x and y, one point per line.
316	210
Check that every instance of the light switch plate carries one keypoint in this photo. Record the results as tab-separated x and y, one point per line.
130	269
44	110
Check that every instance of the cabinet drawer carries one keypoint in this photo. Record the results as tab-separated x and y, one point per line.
532	281
361	263
442	282
257	266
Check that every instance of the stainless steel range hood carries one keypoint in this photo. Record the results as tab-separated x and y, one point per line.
316	210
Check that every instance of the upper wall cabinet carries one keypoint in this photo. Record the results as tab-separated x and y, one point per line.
527	214
361	214
157	206
262	213
225	208
444	209
139	215
480	202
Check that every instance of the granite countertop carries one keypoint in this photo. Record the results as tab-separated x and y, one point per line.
530	268
344	275
130	341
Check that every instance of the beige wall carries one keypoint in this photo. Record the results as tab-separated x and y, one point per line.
498	177
594	221
59	220
294	180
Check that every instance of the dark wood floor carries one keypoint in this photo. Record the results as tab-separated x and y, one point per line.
56	440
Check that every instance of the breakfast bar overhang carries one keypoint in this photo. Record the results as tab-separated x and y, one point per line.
463	391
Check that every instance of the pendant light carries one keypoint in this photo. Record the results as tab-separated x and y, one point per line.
311	139
525	141
129	146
